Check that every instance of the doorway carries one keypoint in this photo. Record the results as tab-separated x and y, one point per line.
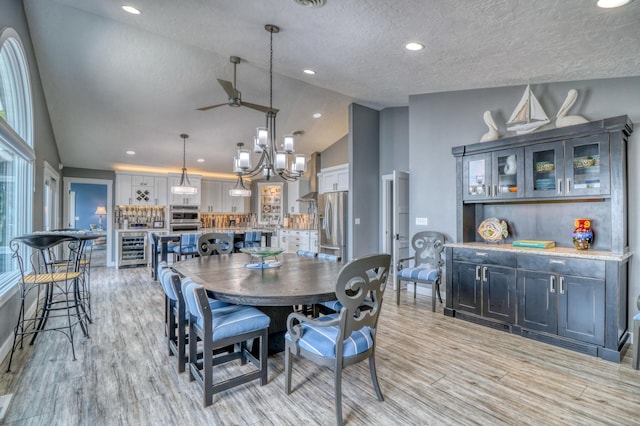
87	206
394	235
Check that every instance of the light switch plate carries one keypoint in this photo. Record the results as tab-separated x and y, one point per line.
422	221
357	221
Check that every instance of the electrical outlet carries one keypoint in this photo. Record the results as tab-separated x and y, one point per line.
422	221
357	221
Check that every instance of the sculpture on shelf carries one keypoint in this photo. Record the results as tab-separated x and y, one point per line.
492	134
528	114
564	120
511	166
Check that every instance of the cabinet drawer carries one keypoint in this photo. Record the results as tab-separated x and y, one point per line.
485	257
563	265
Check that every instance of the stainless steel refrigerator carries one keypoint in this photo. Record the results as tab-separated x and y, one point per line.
332	223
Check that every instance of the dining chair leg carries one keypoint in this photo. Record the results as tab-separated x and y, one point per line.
398	281
287	369
338	386
374	377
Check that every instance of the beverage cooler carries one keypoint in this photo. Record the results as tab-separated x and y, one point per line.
132	249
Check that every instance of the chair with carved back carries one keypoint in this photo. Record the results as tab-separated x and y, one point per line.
348	337
427	265
215	243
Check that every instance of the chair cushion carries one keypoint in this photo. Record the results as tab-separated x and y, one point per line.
418	274
165	281
185	249
322	340
332	304
329	257
236	319
306	253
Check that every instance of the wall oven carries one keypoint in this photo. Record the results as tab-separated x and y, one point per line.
184	218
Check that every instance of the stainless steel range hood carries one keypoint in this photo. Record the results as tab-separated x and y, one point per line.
313	165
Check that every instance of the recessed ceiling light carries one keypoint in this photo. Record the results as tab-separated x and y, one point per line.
317	115
200	160
608	4
310	72
131	153
414	46
131	10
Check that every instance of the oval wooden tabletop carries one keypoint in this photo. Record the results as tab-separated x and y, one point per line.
300	279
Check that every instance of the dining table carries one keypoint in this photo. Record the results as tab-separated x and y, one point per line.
298	281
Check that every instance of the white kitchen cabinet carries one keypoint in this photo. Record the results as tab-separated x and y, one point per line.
293	240
269	203
313	241
334	179
185	200
233	204
296	190
141	190
211	196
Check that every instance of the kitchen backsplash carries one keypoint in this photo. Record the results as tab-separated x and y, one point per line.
145	215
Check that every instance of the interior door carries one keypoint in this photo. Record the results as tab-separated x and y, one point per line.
400	189
71	212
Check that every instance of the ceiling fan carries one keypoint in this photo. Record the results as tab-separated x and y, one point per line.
235	97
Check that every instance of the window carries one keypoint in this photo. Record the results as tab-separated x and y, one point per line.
16	152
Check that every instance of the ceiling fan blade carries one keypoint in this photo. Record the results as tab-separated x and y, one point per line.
211	107
258	107
228	88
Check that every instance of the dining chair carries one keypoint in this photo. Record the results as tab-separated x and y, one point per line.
251	239
636	338
215	243
188	245
348	337
220	328
49	275
427	265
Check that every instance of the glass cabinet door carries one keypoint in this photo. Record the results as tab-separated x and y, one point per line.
508	173
544	165
476	177
587	166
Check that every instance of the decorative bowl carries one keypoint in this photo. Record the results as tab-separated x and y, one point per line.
513	188
263	253
493	230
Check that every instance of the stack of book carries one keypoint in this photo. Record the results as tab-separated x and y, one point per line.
534	244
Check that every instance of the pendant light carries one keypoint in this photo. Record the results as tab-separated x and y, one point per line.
184	187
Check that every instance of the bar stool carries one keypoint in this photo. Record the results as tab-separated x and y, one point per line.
59	305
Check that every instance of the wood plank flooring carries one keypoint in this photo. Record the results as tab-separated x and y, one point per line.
432	370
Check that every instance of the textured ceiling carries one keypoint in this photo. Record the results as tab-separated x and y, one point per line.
115	81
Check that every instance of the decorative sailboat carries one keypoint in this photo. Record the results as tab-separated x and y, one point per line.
528	115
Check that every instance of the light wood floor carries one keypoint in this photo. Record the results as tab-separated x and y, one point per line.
432	370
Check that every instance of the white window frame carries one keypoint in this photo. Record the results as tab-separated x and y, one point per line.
17	138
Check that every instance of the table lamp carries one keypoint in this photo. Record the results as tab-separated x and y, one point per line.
100	211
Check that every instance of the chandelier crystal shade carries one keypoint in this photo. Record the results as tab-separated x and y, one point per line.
184	187
273	160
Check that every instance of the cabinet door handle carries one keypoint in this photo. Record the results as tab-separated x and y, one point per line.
482	254
484	274
561	285
478	273
568	185
552	284
495	190
559	186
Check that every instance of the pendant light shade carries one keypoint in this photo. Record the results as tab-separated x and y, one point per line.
184	187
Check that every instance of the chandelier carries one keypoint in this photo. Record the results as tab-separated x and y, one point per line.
273	160
184	187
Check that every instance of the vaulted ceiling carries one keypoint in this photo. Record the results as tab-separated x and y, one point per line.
115	82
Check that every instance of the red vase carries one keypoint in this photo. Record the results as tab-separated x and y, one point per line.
582	234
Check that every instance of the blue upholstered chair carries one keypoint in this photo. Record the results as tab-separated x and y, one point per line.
427	265
188	245
344	338
215	243
219	328
251	239
636	338
306	253
331	305
176	316
329	257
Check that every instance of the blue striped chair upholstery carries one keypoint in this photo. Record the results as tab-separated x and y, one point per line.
427	265
636	338
306	253
251	239
342	339
329	257
188	245
218	328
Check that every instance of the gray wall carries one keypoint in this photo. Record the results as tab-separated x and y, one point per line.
336	154
12	15
394	140
440	121
364	176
